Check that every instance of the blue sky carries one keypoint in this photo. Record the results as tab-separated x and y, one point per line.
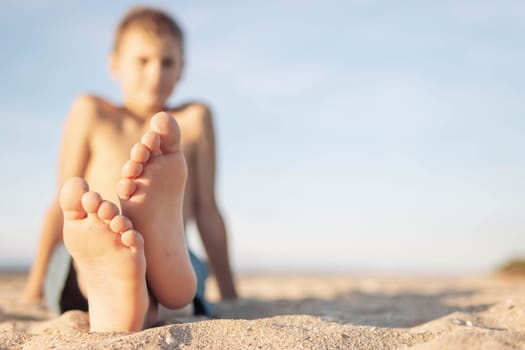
352	135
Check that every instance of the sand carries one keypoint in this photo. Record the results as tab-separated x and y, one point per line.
302	312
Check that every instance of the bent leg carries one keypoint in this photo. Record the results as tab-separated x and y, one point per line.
151	195
109	259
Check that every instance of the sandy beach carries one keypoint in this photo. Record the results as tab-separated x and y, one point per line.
290	311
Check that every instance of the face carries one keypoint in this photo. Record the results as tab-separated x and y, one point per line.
148	67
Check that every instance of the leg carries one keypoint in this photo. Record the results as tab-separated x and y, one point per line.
151	194
109	259
200	305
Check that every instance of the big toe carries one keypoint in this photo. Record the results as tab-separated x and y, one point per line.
168	129
71	197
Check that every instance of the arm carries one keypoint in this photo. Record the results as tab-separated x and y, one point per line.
74	155
50	237
209	220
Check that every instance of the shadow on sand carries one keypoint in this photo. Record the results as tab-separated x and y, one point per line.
382	310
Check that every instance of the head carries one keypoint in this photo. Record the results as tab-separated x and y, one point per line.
147	57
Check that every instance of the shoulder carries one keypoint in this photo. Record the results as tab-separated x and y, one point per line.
198	108
194	112
88	108
194	118
85	113
85	106
87	103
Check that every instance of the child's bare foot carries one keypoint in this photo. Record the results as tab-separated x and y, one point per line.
108	256
151	194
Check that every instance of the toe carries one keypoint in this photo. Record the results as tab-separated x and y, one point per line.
166	126
107	210
71	198
132	169
152	141
126	188
120	223
132	239
91	201
140	153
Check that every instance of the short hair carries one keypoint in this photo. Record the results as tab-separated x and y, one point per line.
150	19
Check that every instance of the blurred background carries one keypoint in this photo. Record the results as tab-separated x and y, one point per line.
353	136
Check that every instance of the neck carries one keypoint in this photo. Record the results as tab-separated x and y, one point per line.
140	112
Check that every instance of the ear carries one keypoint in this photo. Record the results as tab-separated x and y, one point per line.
113	66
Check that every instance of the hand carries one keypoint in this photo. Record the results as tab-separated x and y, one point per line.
32	296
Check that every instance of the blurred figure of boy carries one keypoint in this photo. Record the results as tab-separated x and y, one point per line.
147	60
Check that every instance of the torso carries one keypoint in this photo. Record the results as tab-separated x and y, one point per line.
116	132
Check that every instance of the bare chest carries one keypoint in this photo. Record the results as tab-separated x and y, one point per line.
110	147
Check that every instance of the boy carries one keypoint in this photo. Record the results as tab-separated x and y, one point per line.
147	60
